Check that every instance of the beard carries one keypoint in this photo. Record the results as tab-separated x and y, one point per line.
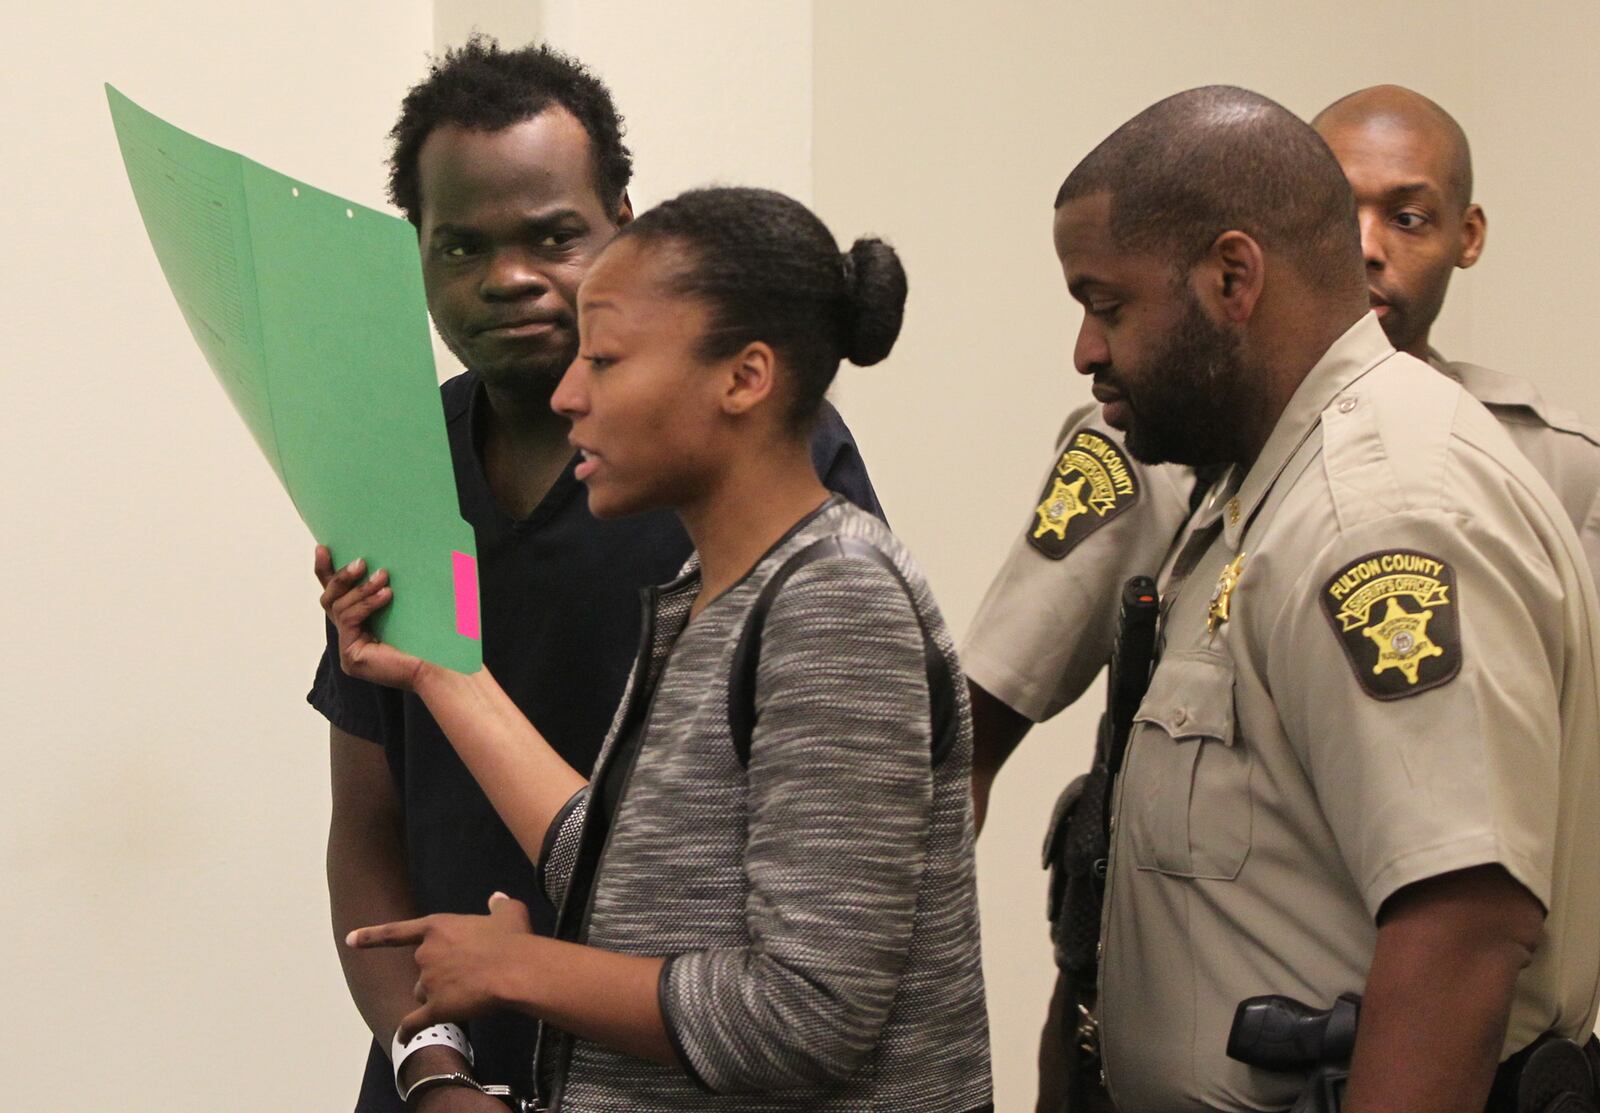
1183	399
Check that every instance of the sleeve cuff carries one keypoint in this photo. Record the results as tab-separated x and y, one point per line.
1020	693
1482	848
327	704
554	831
664	1001
558	855
353	706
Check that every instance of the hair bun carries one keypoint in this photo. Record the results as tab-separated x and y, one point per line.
875	295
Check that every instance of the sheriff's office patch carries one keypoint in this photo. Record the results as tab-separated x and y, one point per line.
1395	613
1091	485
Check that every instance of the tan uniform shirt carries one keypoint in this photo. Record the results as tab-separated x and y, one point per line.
1379	665
1044	629
1556	441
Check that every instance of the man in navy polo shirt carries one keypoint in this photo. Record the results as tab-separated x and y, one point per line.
512	167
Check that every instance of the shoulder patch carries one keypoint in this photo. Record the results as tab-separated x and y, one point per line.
1092	483
1394	612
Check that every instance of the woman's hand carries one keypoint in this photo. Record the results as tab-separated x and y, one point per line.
349	603
463	959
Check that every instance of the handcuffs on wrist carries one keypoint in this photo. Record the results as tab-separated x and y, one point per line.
462	1078
454	1037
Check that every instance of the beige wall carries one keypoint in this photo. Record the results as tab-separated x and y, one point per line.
165	800
948	127
713	92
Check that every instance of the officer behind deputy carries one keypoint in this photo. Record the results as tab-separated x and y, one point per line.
1410	167
1368	754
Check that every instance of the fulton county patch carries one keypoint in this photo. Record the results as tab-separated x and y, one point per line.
1394	612
1092	483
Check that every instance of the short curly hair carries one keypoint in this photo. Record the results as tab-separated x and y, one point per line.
478	85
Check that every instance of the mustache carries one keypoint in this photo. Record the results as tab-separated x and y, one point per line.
1108	387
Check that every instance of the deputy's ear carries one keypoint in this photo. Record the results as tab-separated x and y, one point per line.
624	211
1474	231
751	378
1230	276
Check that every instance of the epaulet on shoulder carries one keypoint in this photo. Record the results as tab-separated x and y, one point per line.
1498	390
1386	439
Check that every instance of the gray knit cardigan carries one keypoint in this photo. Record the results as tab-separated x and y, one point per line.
817	907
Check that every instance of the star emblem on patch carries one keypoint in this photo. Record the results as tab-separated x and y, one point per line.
1402	641
1092	482
1395	613
1060	506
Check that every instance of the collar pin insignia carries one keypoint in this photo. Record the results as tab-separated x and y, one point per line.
1222	596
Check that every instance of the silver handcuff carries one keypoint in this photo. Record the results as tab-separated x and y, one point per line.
462	1078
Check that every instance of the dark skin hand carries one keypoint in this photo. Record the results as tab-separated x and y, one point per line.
471	965
996	732
349	601
456	959
1438	995
527	782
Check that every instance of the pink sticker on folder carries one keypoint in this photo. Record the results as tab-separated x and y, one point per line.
466	570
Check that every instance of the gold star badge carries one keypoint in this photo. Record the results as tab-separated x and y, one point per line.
1222	595
1060	506
1402	641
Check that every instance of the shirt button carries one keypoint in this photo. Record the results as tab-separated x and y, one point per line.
1100	950
1180	717
1347	404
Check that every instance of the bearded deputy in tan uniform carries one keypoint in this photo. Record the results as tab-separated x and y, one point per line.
1411	168
1044	629
1369	753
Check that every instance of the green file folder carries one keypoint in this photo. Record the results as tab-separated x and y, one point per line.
309	309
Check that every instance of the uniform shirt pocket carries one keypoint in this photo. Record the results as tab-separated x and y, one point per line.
1187	797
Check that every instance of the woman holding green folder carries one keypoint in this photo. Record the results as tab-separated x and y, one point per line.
766	890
